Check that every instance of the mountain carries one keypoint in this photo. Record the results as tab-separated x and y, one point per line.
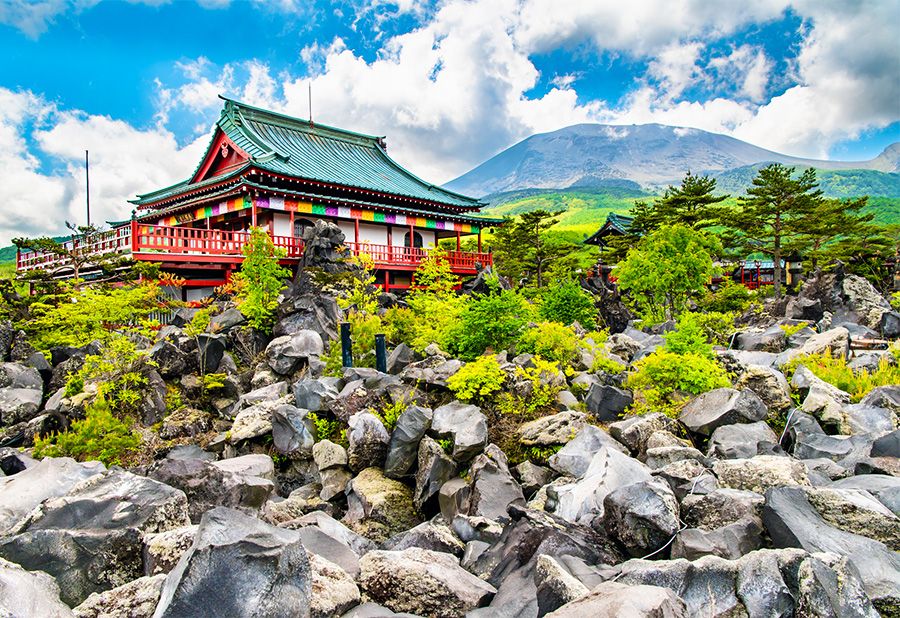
648	156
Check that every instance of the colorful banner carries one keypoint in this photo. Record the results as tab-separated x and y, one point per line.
341	212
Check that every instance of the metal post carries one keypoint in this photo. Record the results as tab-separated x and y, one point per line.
346	345
380	354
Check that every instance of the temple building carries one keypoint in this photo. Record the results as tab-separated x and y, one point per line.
281	173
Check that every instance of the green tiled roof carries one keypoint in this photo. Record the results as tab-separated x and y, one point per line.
615	223
294	147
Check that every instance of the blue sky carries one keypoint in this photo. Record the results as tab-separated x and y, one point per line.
449	83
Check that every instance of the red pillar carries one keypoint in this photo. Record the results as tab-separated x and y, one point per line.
356	231
387	281
134	236
479	241
253	215
457	240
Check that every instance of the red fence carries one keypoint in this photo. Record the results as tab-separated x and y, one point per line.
147	240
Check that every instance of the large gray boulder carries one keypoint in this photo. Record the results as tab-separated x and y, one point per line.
552	429
730	541
239	566
792	521
434	469
606	402
642	516
379	507
90	539
21	391
493	488
51	478
208	485
760	473
292	432
29	594
136	599
742	440
582	501
721	507
722	406
464	425
615	599
635	431
574	458
404	445
368	441
316	395
772	339
423	582
333	589
767	382
287	353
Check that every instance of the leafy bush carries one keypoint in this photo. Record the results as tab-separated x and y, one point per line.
895	301
605	364
689	337
792	329
729	297
836	372
434	275
478	380
199	323
665	270
327	429
662	376
550	340
435	319
390	412
76	317
490	322
100	436
120	373
260	280
568	302
363	328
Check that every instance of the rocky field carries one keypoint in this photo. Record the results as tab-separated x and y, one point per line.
235	508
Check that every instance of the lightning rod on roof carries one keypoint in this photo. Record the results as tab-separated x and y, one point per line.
87	187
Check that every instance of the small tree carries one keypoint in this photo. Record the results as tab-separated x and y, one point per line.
665	270
524	247
768	217
692	204
827	222
260	280
78	254
434	275
568	302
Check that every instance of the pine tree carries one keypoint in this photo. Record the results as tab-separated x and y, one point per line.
523	246
828	222
769	217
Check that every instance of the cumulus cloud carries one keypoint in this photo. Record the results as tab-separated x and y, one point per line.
124	162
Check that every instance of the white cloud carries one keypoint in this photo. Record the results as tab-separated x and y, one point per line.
675	67
124	162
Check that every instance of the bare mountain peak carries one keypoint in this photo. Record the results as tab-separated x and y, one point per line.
649	154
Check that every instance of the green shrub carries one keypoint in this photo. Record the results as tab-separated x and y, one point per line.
542	396
729	297
363	328
665	270
390	412
490	322
717	326
478	380
260	280
792	329
435	319
119	372
606	364
76	317
199	323
100	436
550	340
689	337
661	377
327	429
895	301
568	302
836	372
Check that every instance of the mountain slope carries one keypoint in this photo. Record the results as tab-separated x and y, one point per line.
596	155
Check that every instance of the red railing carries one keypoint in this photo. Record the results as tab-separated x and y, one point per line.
146	240
117	240
393	255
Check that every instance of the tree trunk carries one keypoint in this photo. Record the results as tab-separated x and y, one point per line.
776	257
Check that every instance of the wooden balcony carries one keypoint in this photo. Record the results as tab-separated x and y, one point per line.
169	245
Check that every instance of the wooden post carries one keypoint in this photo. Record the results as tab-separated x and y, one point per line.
356	231
390	244
292	223
479	240
457	240
412	238
253	214
387	281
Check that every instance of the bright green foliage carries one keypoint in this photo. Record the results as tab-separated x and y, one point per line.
435	319
390	412
213	381
662	376
260	280
689	337
327	429
775	212
75	317
363	328
605	364
119	372
692	204
100	435
434	275
523	249
568	302
836	372
718	327
360	293
491	322
792	329
478	380
665	270
730	296
895	301
542	397
199	323
550	340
